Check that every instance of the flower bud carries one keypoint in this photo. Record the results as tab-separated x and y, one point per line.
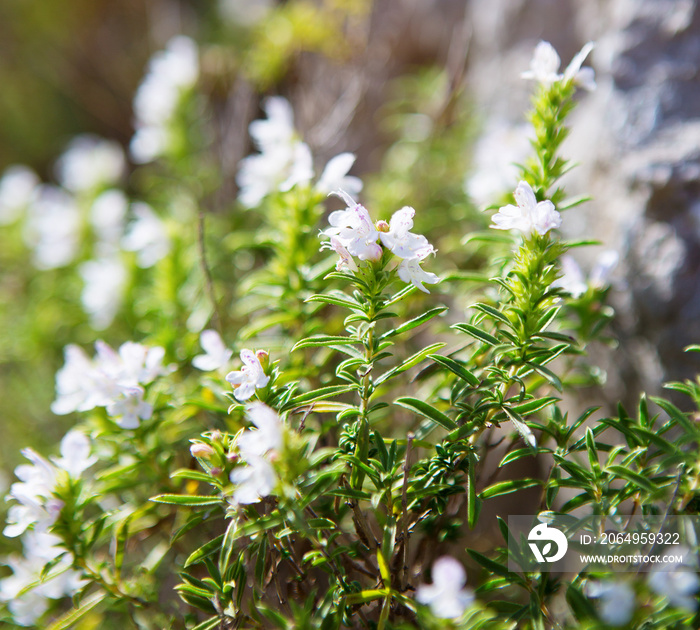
264	358
382	226
204	451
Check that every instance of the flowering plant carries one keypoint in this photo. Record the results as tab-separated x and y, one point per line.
343	466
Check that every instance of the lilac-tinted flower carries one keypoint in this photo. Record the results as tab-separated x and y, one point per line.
410	271
216	356
346	260
354	229
250	377
544	67
528	216
75	454
130	408
446	596
401	241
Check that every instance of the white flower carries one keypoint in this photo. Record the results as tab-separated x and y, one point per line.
130	408
354	229
410	271
146	236
617	601
89	163
253	481
335	176
105	279
528	216
75	454
602	270
400	241
446	596
268	435
53	228
249	377
39	549
17	188
345	261
80	386
677	581
216	356
107	218
573	280
544	67
134	364
36	504
171	72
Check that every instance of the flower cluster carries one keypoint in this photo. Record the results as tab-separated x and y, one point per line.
285	160
171	73
56	218
37	507
113	380
352	233
257	448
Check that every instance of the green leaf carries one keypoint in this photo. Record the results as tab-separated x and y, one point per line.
580	605
516	455
507	487
456	368
493	313
473	501
209	624
548	375
413	323
532	406
478	334
324	340
336	299
428	411
318	394
206	550
195	475
120	537
414	359
230	537
633	477
492	565
68	621
192	500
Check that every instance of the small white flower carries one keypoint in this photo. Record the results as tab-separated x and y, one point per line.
677	581
255	480
335	176
17	189
75	454
346	260
268	435
446	596
528	216
53	228
90	163
602	270
617	601
146	236
572	279
130	408
544	67
103	291
401	241
354	229
250	377
216	356
301	170
410	271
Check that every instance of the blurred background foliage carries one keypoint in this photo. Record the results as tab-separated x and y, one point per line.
361	77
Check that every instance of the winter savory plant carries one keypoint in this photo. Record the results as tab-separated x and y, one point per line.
318	440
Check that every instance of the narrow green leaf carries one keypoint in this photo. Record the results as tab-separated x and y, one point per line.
230	537
336	300
493	313
548	375
532	406
318	394
68	621
324	340
428	411
192	500
456	368
209	624
204	551
633	477
473	501
194	475
478	334
413	360
413	323
507	487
